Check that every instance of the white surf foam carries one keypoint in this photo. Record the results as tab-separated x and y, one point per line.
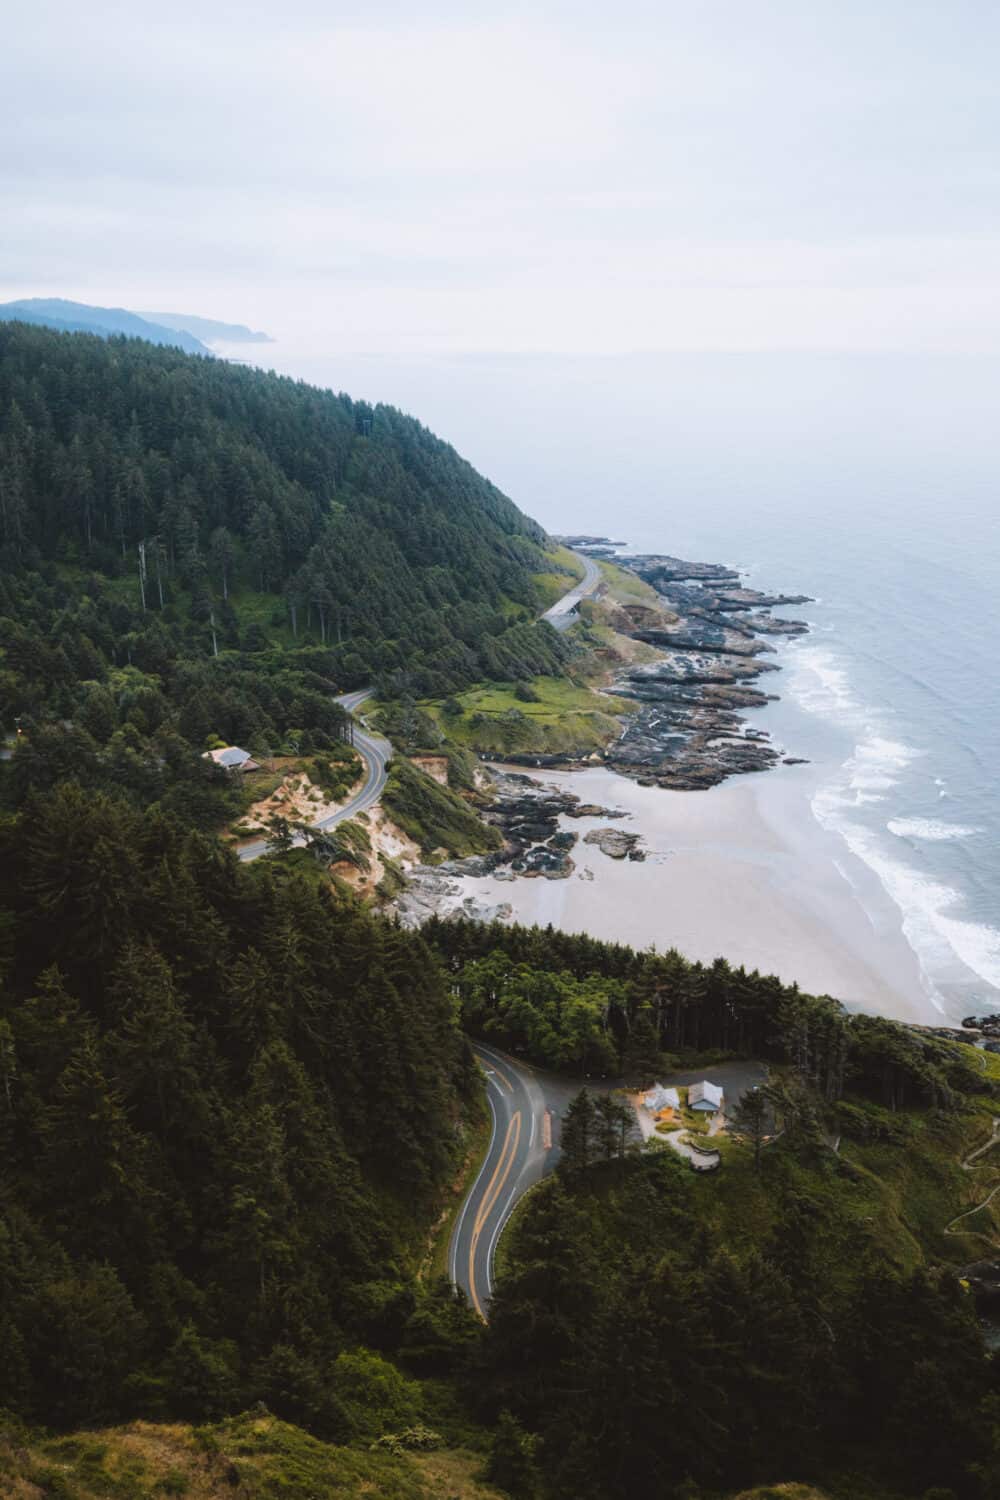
875	767
931	829
819	683
941	940
949	948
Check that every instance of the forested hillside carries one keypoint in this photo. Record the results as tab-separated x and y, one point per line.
575	1003
373	533
228	1106
190	549
236	1110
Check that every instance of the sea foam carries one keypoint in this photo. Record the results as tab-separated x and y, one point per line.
947	946
931	829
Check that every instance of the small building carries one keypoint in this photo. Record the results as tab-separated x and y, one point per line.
659	1099
705	1096
232	758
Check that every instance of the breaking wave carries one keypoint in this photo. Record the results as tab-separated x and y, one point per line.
947	946
930	829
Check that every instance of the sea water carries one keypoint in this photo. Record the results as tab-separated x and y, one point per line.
871	483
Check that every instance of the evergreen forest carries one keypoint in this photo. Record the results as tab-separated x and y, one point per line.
239	1109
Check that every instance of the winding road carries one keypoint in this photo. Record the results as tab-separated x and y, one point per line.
527	1108
376	754
563	613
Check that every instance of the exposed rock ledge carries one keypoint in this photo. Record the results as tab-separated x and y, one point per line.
615	843
688	733
527	812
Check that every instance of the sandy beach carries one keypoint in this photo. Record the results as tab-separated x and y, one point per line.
743	870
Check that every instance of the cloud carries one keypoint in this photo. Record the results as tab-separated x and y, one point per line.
552	177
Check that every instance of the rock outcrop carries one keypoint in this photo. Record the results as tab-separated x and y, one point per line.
527	812
714	638
615	843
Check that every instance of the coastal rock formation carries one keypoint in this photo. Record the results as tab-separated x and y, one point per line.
987	1025
527	812
711	634
615	843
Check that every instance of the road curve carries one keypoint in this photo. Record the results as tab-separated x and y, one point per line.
563	613
376	754
518	1155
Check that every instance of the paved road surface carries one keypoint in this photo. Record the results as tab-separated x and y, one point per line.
376	754
527	1107
563	612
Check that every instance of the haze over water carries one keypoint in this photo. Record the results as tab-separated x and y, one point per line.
870	482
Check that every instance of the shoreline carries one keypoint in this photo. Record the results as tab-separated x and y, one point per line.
688	647
734	872
749	870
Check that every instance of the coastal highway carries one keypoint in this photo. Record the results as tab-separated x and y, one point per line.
563	612
526	1108
375	753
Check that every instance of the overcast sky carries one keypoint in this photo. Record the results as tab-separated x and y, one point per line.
400	178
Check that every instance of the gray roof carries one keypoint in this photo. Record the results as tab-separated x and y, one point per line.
705	1093
661	1098
231	756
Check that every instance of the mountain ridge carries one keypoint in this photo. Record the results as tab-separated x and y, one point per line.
64	316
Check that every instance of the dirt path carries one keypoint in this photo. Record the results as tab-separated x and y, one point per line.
967	1166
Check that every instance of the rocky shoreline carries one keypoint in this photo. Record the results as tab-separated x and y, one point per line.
687	732
527	813
710	634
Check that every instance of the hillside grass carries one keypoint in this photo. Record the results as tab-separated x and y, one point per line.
253	1457
565	718
893	1197
433	816
566	570
626	587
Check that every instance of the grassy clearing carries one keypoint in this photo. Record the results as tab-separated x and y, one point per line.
894	1197
253	1455
566	570
560	717
626	587
606	642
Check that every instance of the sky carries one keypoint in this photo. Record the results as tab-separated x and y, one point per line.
579	178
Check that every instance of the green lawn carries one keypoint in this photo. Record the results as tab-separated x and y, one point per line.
565	718
567	569
626	588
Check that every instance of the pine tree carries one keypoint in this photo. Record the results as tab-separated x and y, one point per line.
578	1140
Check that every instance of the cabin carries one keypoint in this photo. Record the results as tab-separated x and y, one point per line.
659	1099
232	758
705	1096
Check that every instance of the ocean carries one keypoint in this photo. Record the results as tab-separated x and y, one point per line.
871	483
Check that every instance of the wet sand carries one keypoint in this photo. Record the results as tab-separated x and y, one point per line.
743	870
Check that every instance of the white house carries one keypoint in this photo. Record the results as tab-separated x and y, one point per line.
232	758
705	1096
660	1098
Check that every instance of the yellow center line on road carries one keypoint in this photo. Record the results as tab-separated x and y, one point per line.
490	1066
490	1197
